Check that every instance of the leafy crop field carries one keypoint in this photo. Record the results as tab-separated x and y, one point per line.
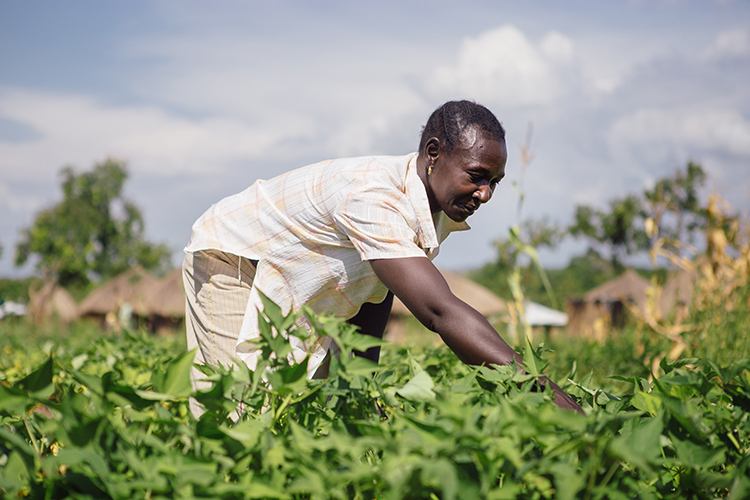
85	415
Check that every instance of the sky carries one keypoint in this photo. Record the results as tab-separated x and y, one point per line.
201	98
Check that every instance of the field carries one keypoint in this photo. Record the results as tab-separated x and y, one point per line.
87	414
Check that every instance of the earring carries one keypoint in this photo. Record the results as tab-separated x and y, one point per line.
429	169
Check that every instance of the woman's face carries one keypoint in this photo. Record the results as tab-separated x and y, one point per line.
465	179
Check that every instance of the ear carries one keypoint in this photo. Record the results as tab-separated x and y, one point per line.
432	149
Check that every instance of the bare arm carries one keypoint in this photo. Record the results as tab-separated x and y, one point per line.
422	289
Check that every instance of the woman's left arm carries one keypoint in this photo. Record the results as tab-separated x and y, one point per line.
423	290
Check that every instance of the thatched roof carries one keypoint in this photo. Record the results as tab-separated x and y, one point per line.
167	296
474	294
51	300
131	286
628	287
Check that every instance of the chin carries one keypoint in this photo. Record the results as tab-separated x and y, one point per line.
458	217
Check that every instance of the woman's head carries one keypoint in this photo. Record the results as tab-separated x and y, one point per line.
450	121
462	157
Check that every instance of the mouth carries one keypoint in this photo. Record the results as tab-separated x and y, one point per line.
469	209
472	207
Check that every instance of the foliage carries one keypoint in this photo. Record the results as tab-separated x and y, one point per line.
111	420
93	233
536	233
583	273
16	289
674	202
720	320
617	230
522	242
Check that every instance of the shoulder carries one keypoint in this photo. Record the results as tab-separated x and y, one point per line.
388	165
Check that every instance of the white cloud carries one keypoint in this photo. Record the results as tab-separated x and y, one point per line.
78	130
557	48
11	201
732	43
688	129
503	67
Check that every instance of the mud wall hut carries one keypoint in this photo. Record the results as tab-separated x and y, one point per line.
607	305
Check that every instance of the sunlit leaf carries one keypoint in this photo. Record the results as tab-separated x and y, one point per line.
419	388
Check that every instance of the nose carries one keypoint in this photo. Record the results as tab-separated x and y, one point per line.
483	194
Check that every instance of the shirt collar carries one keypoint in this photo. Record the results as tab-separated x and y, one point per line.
431	231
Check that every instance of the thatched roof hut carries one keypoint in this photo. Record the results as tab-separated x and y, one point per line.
588	319
165	302
605	305
130	287
166	297
50	300
629	287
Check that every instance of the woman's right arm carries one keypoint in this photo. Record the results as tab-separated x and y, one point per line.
423	290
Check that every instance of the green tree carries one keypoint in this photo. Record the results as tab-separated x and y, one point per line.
94	233
675	206
620	230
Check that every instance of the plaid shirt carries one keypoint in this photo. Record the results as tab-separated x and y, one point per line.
312	231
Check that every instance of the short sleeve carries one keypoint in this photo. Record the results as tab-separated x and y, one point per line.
380	224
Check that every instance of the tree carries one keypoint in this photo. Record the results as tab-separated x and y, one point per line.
94	233
675	207
619	230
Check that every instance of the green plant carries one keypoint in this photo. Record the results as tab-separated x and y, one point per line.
110	420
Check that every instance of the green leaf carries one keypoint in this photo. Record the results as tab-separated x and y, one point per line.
246	432
534	363
275	316
38	383
419	388
174	379
359	342
695	455
14	441
14	403
260	490
289	379
14	476
440	474
640	446
686	414
568	480
357	365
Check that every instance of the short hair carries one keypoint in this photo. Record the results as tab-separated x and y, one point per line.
449	121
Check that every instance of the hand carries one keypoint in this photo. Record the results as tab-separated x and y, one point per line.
562	399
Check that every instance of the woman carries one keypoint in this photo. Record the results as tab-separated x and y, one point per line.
343	237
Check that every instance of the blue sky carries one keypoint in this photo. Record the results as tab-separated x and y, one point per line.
202	98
